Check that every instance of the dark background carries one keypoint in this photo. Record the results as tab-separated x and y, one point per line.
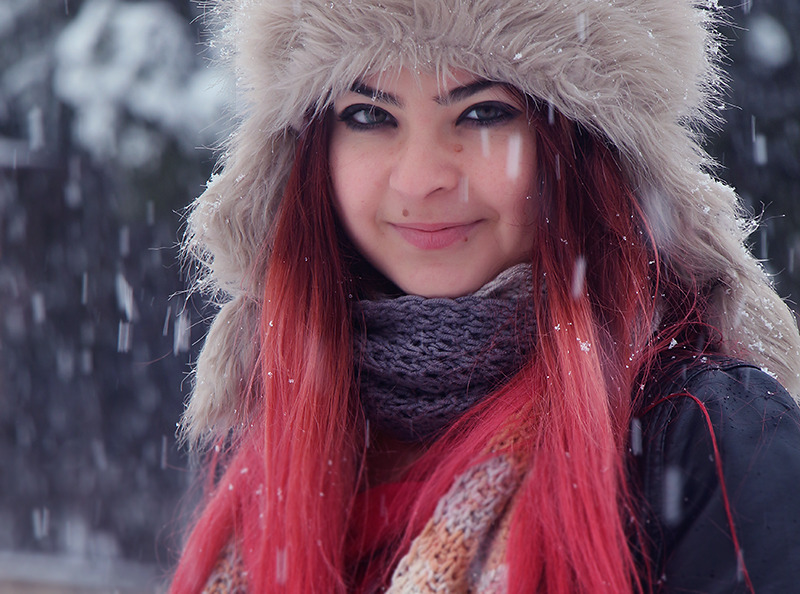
106	112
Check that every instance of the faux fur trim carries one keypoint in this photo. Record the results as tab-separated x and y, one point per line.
641	73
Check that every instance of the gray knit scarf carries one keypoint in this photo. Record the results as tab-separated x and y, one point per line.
422	362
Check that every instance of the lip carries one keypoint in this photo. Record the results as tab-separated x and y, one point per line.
434	236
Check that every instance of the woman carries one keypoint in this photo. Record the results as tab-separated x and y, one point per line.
486	322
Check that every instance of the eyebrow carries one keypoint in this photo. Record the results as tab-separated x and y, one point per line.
464	92
376	95
452	96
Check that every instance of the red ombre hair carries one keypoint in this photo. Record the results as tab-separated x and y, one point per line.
287	498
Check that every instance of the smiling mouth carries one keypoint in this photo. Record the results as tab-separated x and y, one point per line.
435	236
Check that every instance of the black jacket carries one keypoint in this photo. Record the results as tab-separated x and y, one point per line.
756	426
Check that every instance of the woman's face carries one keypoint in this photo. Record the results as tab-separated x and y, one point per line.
433	179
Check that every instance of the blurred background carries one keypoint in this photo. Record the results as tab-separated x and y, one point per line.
107	112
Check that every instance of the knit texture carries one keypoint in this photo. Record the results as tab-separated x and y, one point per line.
228	576
423	362
461	548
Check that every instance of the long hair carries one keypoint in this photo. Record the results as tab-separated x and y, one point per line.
286	492
287	495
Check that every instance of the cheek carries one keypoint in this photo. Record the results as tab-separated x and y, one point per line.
356	168
520	202
346	170
339	162
508	156
517	176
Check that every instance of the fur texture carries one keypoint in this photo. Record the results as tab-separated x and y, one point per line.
640	73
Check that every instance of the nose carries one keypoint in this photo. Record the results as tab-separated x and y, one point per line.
425	163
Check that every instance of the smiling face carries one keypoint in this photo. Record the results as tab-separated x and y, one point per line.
433	179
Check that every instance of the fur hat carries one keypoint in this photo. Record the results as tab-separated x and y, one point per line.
640	73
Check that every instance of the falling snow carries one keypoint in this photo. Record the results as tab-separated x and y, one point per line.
673	495
636	437
578	277
103	104
102	107
514	156
768	43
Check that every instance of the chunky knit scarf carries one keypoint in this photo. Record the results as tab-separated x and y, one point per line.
461	549
435	358
463	546
422	362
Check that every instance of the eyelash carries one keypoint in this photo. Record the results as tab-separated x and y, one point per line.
349	113
503	113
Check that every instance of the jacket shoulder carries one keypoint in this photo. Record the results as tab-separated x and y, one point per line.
720	467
